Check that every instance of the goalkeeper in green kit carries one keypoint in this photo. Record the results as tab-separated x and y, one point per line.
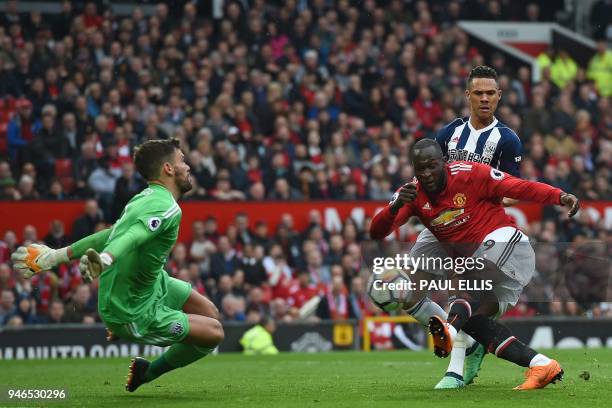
137	300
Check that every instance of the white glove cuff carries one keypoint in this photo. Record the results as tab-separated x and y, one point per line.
61	256
106	259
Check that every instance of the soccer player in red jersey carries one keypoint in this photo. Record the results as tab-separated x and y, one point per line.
459	203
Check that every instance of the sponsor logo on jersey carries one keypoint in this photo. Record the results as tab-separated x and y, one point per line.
427	206
464	155
459	200
176	328
517	159
447	217
154	223
497	175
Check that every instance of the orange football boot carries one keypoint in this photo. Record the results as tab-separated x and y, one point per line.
541	376
441	337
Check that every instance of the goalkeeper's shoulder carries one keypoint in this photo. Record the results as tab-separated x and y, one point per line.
152	201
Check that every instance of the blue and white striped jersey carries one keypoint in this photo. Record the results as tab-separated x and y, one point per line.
496	145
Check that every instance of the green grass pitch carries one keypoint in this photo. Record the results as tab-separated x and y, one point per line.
340	379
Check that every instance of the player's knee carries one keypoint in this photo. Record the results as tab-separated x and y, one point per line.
217	332
214	311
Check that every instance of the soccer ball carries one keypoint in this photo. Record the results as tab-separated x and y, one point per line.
389	290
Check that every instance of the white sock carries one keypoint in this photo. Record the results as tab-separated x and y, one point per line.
457	356
452	331
469	340
539	360
426	308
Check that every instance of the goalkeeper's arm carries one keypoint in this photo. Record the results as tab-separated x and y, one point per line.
36	258
93	263
95	241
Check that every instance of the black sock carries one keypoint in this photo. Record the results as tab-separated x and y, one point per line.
459	313
514	350
498	339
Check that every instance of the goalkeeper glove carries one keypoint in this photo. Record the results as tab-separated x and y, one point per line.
35	258
92	264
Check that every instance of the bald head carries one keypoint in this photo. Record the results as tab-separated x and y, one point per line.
426	146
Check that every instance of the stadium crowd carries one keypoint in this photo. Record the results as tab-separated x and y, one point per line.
275	102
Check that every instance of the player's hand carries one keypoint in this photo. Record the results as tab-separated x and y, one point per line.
405	195
92	264
570	200
509	202
34	258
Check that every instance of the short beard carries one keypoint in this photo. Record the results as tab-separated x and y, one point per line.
185	186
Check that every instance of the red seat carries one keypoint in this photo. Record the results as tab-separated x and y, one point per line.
68	184
63	168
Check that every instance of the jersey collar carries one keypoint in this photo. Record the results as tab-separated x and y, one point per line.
484	129
161	187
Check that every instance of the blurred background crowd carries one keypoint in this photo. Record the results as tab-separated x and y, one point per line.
292	100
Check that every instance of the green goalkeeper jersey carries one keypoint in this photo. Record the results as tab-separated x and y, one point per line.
140	242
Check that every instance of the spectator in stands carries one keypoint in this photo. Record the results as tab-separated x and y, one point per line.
252	265
303	291
56	312
48	144
102	182
6	174
600	68
225	261
564	69
126	187
21	130
25	310
7	305
233	308
30	235
86	224
357	298
200	248
26	188
335	303
56	238
6	277
81	306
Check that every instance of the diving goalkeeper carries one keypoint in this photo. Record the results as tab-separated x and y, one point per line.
137	300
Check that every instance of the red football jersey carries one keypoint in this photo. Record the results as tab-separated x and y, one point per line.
468	209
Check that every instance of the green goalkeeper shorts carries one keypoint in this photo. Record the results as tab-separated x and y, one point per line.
169	325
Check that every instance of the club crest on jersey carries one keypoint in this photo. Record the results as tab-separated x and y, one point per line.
395	196
489	150
154	223
447	217
459	200
496	174
176	328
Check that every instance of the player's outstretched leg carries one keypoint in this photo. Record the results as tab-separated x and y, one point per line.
205	333
499	339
